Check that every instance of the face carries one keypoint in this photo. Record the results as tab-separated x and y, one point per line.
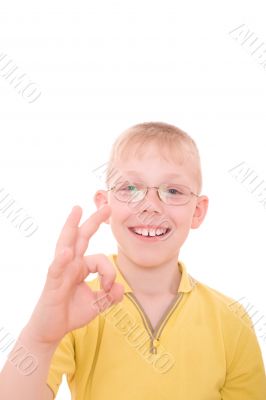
152	213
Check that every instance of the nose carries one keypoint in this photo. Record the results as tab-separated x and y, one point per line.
152	201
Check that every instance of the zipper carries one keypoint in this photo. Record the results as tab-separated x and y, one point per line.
155	333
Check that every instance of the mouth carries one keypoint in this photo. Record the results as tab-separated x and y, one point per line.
150	233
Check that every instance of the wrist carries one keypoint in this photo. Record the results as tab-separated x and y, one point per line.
30	340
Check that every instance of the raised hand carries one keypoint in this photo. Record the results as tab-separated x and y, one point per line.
67	302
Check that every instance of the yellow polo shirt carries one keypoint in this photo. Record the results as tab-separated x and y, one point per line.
203	348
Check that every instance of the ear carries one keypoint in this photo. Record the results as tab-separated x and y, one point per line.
200	211
100	199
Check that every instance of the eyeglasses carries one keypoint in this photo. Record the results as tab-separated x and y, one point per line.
176	195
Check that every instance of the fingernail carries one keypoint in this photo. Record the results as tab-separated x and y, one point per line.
108	286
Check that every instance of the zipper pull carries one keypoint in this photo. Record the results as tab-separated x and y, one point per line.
154	346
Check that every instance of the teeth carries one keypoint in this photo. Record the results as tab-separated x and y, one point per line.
150	232
160	231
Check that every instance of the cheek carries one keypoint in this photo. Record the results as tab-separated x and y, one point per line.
120	213
182	218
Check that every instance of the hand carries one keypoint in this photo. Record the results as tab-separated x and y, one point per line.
67	302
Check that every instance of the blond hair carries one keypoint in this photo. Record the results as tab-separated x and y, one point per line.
169	139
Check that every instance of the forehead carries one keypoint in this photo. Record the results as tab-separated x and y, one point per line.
138	173
154	165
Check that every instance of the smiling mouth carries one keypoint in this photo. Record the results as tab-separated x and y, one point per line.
154	232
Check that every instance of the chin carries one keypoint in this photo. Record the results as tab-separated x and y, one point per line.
147	259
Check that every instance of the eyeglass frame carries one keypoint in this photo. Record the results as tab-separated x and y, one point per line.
158	193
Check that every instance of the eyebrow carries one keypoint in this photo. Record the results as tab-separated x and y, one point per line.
167	176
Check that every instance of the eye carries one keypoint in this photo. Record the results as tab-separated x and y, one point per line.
131	188
174	191
128	187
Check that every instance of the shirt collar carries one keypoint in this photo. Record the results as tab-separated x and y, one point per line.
187	283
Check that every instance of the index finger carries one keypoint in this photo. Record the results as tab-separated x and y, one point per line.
89	227
67	237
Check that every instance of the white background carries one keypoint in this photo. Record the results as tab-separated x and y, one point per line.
102	67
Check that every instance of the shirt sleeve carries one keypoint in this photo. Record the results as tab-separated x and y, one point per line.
245	378
63	362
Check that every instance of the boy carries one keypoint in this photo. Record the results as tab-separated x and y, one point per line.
145	329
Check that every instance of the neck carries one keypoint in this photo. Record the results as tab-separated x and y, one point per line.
156	280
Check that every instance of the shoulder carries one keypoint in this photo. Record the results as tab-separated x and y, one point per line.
223	306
